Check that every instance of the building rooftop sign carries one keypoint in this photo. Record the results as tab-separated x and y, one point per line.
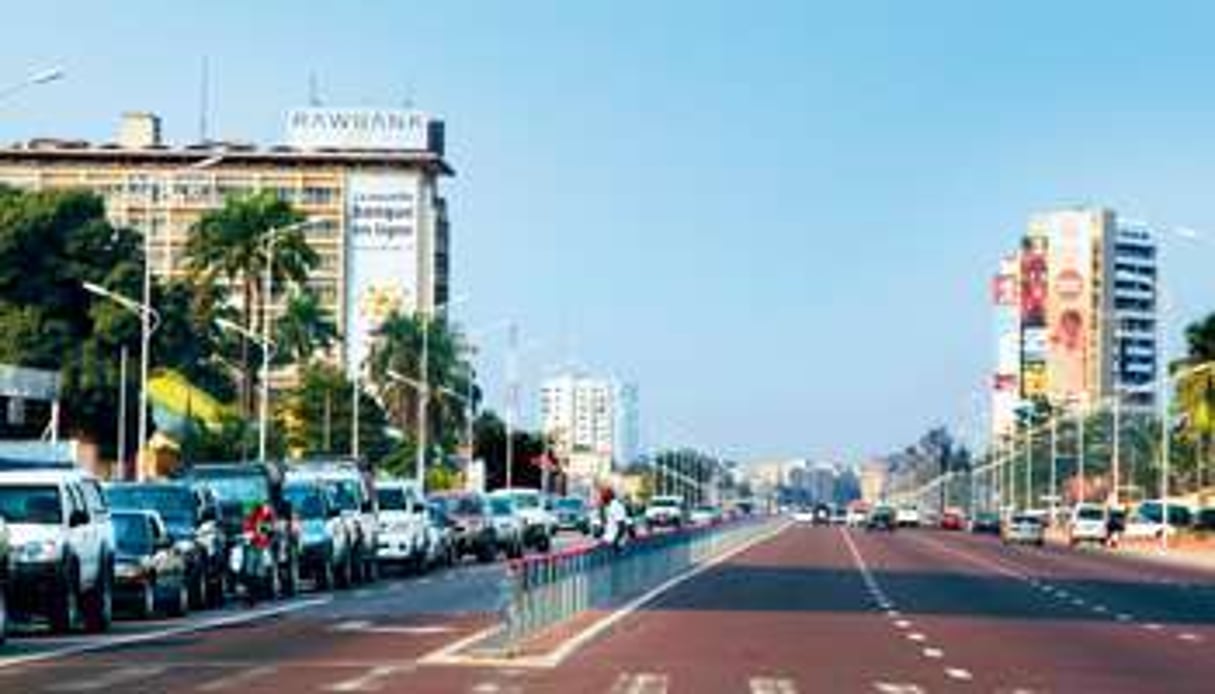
357	128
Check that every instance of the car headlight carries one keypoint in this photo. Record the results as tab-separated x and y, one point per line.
39	551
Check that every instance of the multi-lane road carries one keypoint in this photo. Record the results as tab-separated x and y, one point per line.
807	610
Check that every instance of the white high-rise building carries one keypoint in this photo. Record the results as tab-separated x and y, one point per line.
588	414
626	447
1134	353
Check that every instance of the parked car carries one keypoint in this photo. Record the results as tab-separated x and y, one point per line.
509	526
802	514
4	562
62	547
191	517
325	555
403	517
539	525
242	489
572	513
471	524
985	523
1147	520
1024	529
1088	523
665	511
1204	519
151	570
440	542
353	489
882	518
839	516
705	514
953	519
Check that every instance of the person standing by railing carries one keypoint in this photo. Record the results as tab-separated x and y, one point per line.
615	519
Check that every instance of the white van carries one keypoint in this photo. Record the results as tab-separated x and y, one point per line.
1088	523
403	537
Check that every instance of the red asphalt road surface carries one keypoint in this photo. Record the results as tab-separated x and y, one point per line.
810	610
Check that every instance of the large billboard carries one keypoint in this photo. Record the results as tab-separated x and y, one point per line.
357	128
381	255
1070	243
1006	292
1034	300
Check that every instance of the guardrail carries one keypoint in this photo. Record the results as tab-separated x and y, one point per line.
546	590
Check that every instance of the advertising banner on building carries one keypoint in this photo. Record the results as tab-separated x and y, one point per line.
1034	296
1068	306
381	255
1006	309
357	128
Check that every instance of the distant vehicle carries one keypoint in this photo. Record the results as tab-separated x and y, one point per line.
151	571
325	547
4	562
1025	528
539	525
985	523
243	491
839	516
1180	515
1087	524
353	489
705	514
952	519
822	514
857	513
907	516
1204	519
509	526
572	513
403	535
665	511
191	516
471	524
882	518
62	547
802	514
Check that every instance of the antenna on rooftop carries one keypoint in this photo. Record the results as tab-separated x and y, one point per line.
203	106
314	92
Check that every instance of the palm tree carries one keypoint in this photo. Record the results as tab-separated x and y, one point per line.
1196	394
304	327
229	244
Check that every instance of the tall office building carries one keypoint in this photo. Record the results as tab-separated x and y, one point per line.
626	447
577	413
1075	311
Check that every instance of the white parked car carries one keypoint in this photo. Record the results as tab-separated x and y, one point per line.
907	516
539	524
62	540
1088	523
508	525
403	537
705	514
665	510
1026	528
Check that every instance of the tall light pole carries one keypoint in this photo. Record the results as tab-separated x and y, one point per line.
424	391
33	79
266	348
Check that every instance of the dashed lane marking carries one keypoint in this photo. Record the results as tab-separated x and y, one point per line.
1153	626
237	680
772	685
934	653
1189	636
114	679
958	673
898	688
639	683
370	681
917	637
902	624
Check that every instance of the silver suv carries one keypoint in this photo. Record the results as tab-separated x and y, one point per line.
62	557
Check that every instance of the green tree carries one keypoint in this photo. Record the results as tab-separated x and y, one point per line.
317	417
188	339
304	328
231	244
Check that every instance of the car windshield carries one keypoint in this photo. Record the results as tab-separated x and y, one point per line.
1090	514
526	500
32	504
244	489
501	506
460	505
391	498
132	534
1023	519
568	504
345	494
306	500
664	502
175	504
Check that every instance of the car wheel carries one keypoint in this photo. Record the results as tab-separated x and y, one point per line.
325	575
65	606
371	569
99	602
198	589
180	604
3	617
215	592
147	601
291	583
485	554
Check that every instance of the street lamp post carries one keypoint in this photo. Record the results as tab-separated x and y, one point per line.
34	79
149	320
266	346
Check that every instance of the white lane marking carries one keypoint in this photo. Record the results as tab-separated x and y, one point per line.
934	653
639	683
893	614
1190	636
366	627
898	688
1153	626
109	680
772	685
917	637
370	681
958	673
106	642
1100	609
237	680
902	624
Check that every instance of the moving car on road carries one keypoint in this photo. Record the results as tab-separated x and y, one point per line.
572	513
705	514
907	516
62	547
509	526
471	524
325	555
539	525
191	517
953	519
985	523
882	518
665	510
403	537
1088	523
1024	529
151	570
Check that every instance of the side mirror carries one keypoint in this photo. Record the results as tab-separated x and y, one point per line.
78	518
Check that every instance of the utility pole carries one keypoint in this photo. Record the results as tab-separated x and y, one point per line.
512	388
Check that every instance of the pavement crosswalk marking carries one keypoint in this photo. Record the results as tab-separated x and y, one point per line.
114	679
639	683
237	680
772	685
370	681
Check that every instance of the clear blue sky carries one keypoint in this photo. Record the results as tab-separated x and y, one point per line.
778	218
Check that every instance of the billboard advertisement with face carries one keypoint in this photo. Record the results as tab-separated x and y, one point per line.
1070	237
1007	313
